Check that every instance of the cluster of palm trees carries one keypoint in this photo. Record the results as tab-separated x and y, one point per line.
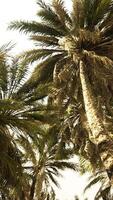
29	136
65	107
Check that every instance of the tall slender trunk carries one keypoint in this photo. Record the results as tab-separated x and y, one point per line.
37	184
40	179
32	190
100	135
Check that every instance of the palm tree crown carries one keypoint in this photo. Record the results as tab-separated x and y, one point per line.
62	37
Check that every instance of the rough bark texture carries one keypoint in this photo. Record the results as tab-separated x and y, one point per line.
39	186
92	113
100	135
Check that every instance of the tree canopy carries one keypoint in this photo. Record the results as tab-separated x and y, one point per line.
65	106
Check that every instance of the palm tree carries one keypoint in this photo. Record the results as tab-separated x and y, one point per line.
20	121
46	168
76	55
23	140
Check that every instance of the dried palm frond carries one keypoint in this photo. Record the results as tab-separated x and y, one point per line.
60	10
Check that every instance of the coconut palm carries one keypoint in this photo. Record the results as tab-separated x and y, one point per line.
76	54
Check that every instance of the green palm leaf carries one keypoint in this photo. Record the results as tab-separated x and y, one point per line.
50	17
44	40
34	27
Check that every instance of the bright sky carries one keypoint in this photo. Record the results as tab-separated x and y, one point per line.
72	183
16	10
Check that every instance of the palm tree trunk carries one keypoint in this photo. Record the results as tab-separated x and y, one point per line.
99	134
32	190
39	186
92	113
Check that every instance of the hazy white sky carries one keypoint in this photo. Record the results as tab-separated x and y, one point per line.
16	10
10	10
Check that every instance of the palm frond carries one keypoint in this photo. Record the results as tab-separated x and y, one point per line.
44	40
90	13
60	10
94	181
107	20
37	54
43	73
49	17
4	68
3	77
27	146
40	92
33	28
63	164
101	7
18	72
55	173
53	179
78	14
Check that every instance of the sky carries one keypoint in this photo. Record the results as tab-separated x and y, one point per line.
16	10
72	184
